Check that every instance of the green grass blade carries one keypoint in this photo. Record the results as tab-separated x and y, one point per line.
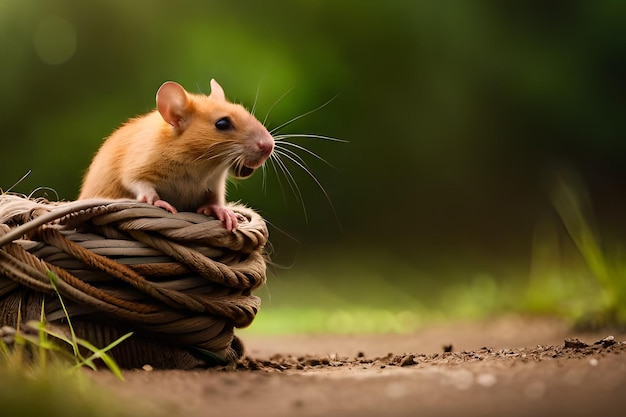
101	354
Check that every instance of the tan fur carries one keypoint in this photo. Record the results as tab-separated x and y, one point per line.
184	164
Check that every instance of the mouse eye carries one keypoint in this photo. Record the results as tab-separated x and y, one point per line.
223	124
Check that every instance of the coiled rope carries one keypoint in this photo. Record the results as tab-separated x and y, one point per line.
180	281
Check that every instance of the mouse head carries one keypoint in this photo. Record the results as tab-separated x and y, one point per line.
212	130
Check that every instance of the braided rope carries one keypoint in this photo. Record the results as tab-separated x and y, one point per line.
182	281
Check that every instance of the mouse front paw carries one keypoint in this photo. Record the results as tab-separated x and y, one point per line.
165	205
155	201
229	218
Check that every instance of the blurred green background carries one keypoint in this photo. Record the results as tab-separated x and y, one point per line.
459	115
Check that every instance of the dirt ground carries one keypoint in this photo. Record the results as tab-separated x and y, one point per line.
505	367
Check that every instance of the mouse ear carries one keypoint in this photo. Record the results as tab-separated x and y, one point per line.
172	103
217	91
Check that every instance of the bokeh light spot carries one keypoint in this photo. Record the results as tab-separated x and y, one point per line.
54	40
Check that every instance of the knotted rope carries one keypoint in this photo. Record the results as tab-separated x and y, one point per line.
181	281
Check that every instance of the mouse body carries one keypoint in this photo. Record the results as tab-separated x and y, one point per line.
178	157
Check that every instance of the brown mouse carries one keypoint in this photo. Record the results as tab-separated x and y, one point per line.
178	157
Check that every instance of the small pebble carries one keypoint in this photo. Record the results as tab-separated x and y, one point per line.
606	342
408	360
574	344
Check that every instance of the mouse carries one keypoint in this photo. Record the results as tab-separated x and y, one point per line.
179	156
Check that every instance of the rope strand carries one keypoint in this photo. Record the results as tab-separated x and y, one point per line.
181	278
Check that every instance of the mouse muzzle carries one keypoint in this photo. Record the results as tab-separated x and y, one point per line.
241	171
245	167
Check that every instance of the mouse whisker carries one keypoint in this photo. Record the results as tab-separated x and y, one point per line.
238	161
296	159
293	156
221	151
267	115
280	183
256	99
291	181
264	179
210	153
204	156
282	144
287	123
281	138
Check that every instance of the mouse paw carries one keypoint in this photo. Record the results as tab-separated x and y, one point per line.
165	205
229	218
155	201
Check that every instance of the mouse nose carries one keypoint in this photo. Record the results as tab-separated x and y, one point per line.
266	146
